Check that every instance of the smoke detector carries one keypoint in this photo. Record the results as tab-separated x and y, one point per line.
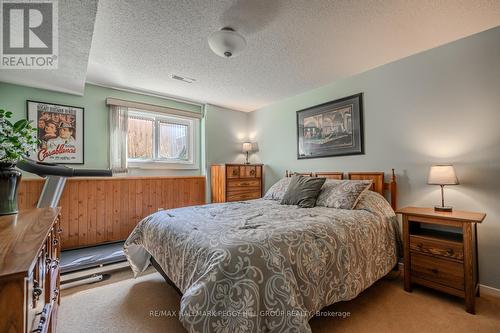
227	43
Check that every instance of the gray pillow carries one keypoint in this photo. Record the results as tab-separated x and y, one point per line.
342	194
303	191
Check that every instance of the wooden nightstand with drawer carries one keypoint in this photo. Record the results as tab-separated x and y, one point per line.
235	182
440	251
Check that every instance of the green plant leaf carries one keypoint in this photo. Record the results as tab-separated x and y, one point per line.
20	125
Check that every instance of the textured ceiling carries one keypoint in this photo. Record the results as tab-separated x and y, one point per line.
76	25
292	46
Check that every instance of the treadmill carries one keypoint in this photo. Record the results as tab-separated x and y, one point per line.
84	265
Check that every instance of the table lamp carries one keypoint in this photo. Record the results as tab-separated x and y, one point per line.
442	175
247	147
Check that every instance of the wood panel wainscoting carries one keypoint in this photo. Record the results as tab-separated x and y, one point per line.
101	210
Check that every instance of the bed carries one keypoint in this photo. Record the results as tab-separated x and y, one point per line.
258	266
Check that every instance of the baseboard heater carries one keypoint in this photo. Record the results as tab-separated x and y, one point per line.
90	264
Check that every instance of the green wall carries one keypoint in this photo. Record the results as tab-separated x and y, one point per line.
442	105
13	98
225	131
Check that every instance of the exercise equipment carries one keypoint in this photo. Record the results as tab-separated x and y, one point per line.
79	266
55	178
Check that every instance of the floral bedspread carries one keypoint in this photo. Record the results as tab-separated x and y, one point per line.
258	266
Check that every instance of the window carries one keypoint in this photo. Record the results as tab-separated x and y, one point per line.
140	138
173	140
150	136
155	138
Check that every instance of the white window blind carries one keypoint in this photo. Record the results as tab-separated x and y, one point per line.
118	121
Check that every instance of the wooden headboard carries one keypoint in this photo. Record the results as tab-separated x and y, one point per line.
377	177
290	174
328	175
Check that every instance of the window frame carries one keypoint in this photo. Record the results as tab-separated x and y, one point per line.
156	162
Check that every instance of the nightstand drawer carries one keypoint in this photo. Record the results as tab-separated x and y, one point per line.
441	248
440	251
442	271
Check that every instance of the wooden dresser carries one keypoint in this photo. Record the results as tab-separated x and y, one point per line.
235	182
440	251
29	271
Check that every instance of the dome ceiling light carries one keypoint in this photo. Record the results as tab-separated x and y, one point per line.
226	42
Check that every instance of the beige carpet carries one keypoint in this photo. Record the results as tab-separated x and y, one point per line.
124	305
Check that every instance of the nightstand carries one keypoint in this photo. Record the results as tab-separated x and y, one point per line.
440	251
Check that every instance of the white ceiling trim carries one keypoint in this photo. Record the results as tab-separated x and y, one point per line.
41	84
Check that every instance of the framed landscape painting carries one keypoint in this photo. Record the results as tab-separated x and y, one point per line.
331	129
59	131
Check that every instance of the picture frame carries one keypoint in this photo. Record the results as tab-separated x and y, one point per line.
60	131
333	128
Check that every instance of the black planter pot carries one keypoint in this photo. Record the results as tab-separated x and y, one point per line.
9	183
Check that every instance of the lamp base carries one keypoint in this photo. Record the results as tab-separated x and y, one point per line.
443	208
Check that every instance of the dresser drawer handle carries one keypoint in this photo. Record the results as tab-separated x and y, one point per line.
252	172
434	270
450	252
420	246
37	292
60	230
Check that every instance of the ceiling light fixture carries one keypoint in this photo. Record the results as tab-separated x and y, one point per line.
226	42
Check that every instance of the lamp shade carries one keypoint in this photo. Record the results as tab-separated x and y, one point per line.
247	147
442	175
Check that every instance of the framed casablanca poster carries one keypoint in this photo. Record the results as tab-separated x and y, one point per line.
60	132
331	129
